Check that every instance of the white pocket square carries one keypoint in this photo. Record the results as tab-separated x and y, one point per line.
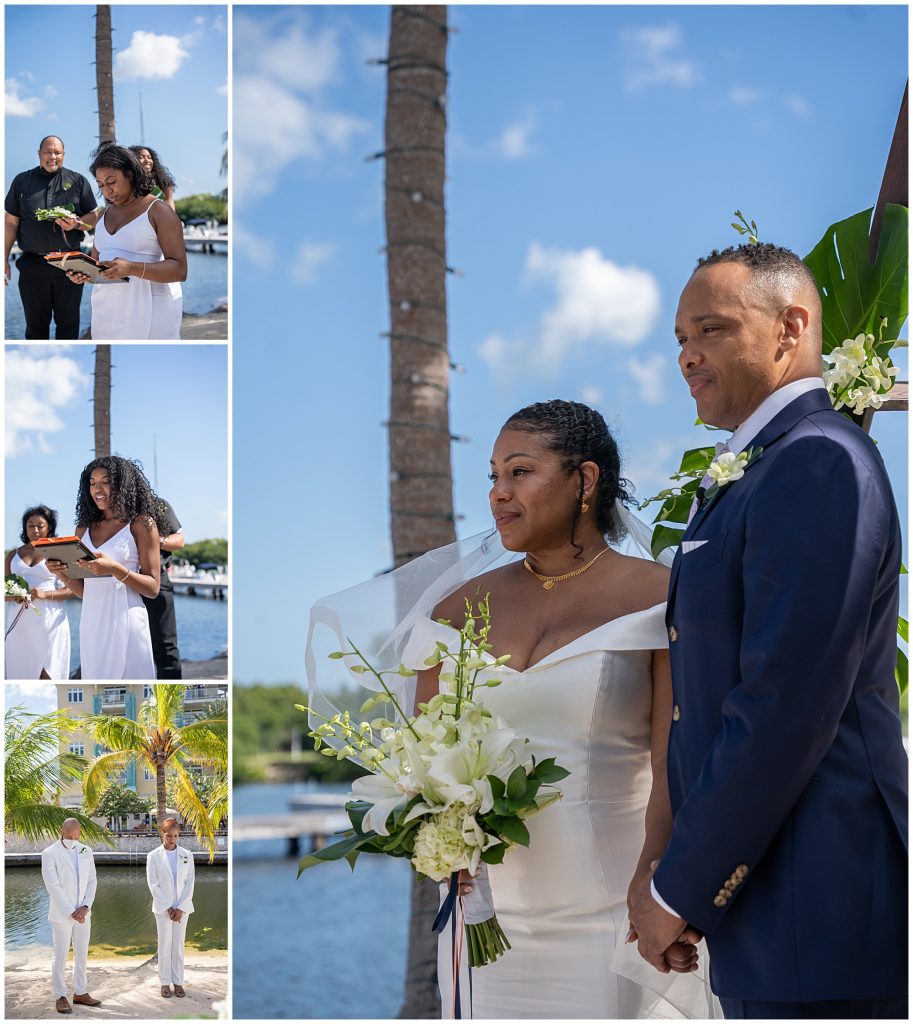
691	545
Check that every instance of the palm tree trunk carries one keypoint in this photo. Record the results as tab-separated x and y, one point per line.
161	804
421	499
104	80
102	401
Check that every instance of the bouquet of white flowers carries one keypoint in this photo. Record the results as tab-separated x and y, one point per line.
859	373
449	788
56	213
18	589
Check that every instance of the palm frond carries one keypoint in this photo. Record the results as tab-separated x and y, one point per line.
45	821
116	732
102	772
192	809
206	741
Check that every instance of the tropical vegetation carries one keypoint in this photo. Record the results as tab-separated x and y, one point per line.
35	771
170	751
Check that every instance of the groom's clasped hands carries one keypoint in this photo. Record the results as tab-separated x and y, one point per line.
664	940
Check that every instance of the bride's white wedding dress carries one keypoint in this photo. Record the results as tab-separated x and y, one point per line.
562	901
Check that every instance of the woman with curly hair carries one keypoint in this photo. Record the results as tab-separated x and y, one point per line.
142	242
37	646
164	180
119	517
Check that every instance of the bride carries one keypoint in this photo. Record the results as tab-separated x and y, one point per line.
588	682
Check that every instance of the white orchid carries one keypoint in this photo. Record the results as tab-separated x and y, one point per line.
727	467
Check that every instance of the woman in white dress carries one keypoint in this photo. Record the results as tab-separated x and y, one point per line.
142	240
588	683
37	641
118	517
170	876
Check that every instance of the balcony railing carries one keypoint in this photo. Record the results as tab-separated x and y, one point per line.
198	693
114	698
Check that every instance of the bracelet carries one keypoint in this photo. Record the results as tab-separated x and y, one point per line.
143	273
125	577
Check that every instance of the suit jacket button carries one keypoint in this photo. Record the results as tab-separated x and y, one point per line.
673	634
741	871
718	901
676	713
730	885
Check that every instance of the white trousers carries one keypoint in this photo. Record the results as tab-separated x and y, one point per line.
171	948
64	935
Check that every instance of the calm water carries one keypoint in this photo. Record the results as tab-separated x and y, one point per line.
206	286
333	942
202	627
122	920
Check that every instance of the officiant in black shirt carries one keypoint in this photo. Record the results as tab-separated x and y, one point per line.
162	622
46	291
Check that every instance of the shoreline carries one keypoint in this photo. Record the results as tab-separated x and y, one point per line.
127	986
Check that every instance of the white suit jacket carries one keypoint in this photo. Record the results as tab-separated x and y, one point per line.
60	880
159	879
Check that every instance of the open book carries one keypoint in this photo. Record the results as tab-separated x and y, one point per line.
79	262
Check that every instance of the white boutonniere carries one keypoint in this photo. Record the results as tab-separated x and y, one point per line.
727	468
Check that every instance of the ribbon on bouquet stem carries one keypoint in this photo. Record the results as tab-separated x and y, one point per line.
18	617
452	911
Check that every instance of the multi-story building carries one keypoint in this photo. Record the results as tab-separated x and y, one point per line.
124	699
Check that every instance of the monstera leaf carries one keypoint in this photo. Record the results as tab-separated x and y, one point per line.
854	295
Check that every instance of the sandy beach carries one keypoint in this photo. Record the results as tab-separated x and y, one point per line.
128	987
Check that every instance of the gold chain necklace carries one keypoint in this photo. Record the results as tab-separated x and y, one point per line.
549	581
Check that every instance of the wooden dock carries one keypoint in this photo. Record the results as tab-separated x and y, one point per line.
313	816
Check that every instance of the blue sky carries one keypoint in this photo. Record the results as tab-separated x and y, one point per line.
175	56
166	400
593	154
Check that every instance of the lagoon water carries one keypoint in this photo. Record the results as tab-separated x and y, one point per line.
331	944
206	286
122	920
202	627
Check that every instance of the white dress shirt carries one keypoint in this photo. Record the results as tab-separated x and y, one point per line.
74	857
775	403
172	856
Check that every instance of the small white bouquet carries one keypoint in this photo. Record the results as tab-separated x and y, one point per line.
17	588
449	788
55	213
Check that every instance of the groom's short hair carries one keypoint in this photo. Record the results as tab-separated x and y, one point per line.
776	264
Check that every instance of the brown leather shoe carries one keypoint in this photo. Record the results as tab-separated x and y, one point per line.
86	1000
63	1005
166	991
179	991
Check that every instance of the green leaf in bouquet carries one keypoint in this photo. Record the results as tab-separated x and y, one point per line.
356	810
547	771
664	537
495	854
335	851
516	784
497	786
513	829
855	296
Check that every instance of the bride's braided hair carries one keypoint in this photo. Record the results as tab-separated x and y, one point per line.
579	434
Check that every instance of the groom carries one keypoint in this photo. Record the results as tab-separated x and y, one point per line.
787	772
68	871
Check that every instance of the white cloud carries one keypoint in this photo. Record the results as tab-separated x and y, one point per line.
514	143
37	389
743	94
259	251
150	55
797	105
278	119
649	376
654	57
309	257
36	697
18	105
596	302
591	395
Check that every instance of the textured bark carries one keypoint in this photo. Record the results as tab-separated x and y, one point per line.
895	181
421	498
104	80
102	400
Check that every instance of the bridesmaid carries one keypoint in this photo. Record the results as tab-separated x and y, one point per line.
37	645
118	516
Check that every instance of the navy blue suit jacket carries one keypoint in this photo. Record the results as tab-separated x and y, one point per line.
787	771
